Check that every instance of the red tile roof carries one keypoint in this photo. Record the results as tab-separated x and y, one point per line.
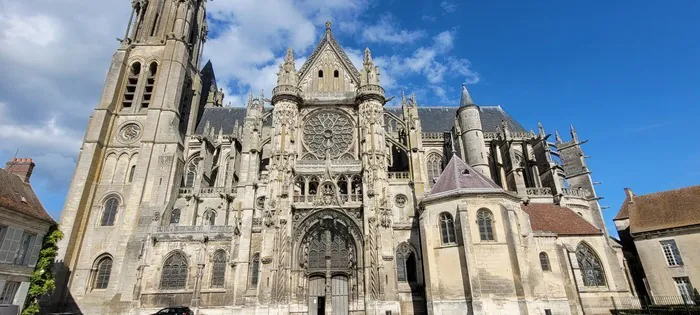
19	196
662	210
559	220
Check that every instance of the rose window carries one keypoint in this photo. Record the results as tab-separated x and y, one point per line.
328	132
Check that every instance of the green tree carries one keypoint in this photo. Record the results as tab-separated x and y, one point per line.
42	281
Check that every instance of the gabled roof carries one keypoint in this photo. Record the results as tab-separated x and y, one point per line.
329	39
458	177
662	210
16	195
559	220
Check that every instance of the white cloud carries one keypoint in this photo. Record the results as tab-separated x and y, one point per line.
386	31
448	6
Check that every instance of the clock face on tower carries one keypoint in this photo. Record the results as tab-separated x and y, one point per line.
328	132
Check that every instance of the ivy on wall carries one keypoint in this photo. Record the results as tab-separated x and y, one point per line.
42	281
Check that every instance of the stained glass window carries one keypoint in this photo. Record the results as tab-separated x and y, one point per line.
174	272
591	268
447	228
405	263
218	269
110	211
434	167
484	219
104	269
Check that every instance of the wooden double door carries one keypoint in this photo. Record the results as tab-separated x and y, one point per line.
335	303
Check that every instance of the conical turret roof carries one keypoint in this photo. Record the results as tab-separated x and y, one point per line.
466	98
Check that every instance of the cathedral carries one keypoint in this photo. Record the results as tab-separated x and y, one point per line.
319	198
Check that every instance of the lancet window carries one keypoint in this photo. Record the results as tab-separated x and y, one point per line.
434	167
218	269
447	228
484	219
174	272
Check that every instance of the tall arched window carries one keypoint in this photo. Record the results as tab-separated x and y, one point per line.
447	228
484	219
544	262
131	173
132	82
218	269
405	263
336	74
591	268
209	217
434	167
104	269
254	270
110	211
320	73
175	216
191	172
174	272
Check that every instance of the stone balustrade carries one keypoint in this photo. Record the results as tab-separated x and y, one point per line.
185	232
206	191
399	176
433	136
539	191
371	89
286	89
576	192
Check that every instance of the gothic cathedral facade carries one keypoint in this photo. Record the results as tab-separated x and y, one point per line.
320	199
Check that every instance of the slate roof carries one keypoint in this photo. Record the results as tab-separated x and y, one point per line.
662	210
16	195
559	220
433	118
458	177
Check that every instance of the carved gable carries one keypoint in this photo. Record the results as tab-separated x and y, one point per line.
328	74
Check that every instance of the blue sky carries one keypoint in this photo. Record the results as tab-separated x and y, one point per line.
624	73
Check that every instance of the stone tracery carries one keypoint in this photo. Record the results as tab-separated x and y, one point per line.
328	132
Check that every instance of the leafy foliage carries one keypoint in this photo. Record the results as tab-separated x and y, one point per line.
42	280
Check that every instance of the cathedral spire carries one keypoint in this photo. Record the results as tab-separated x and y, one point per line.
466	98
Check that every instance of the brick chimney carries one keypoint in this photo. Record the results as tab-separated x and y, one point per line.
630	195
21	167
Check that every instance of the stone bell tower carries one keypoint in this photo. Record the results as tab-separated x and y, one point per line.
132	154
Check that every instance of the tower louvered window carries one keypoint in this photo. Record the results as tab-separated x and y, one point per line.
132	82
150	84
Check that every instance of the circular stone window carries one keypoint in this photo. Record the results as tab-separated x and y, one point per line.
130	132
400	200
328	132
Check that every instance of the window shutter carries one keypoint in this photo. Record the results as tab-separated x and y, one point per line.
21	294
34	254
10	245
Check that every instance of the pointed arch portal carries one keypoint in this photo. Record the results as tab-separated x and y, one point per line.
327	253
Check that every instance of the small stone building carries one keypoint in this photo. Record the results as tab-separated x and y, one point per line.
660	233
23	224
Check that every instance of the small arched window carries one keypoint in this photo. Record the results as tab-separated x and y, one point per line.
110	211
132	82
104	269
544	262
218	269
405	263
484	219
175	216
447	228
591	268
320	73
209	217
254	270
191	172
434	167
174	272
336	74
